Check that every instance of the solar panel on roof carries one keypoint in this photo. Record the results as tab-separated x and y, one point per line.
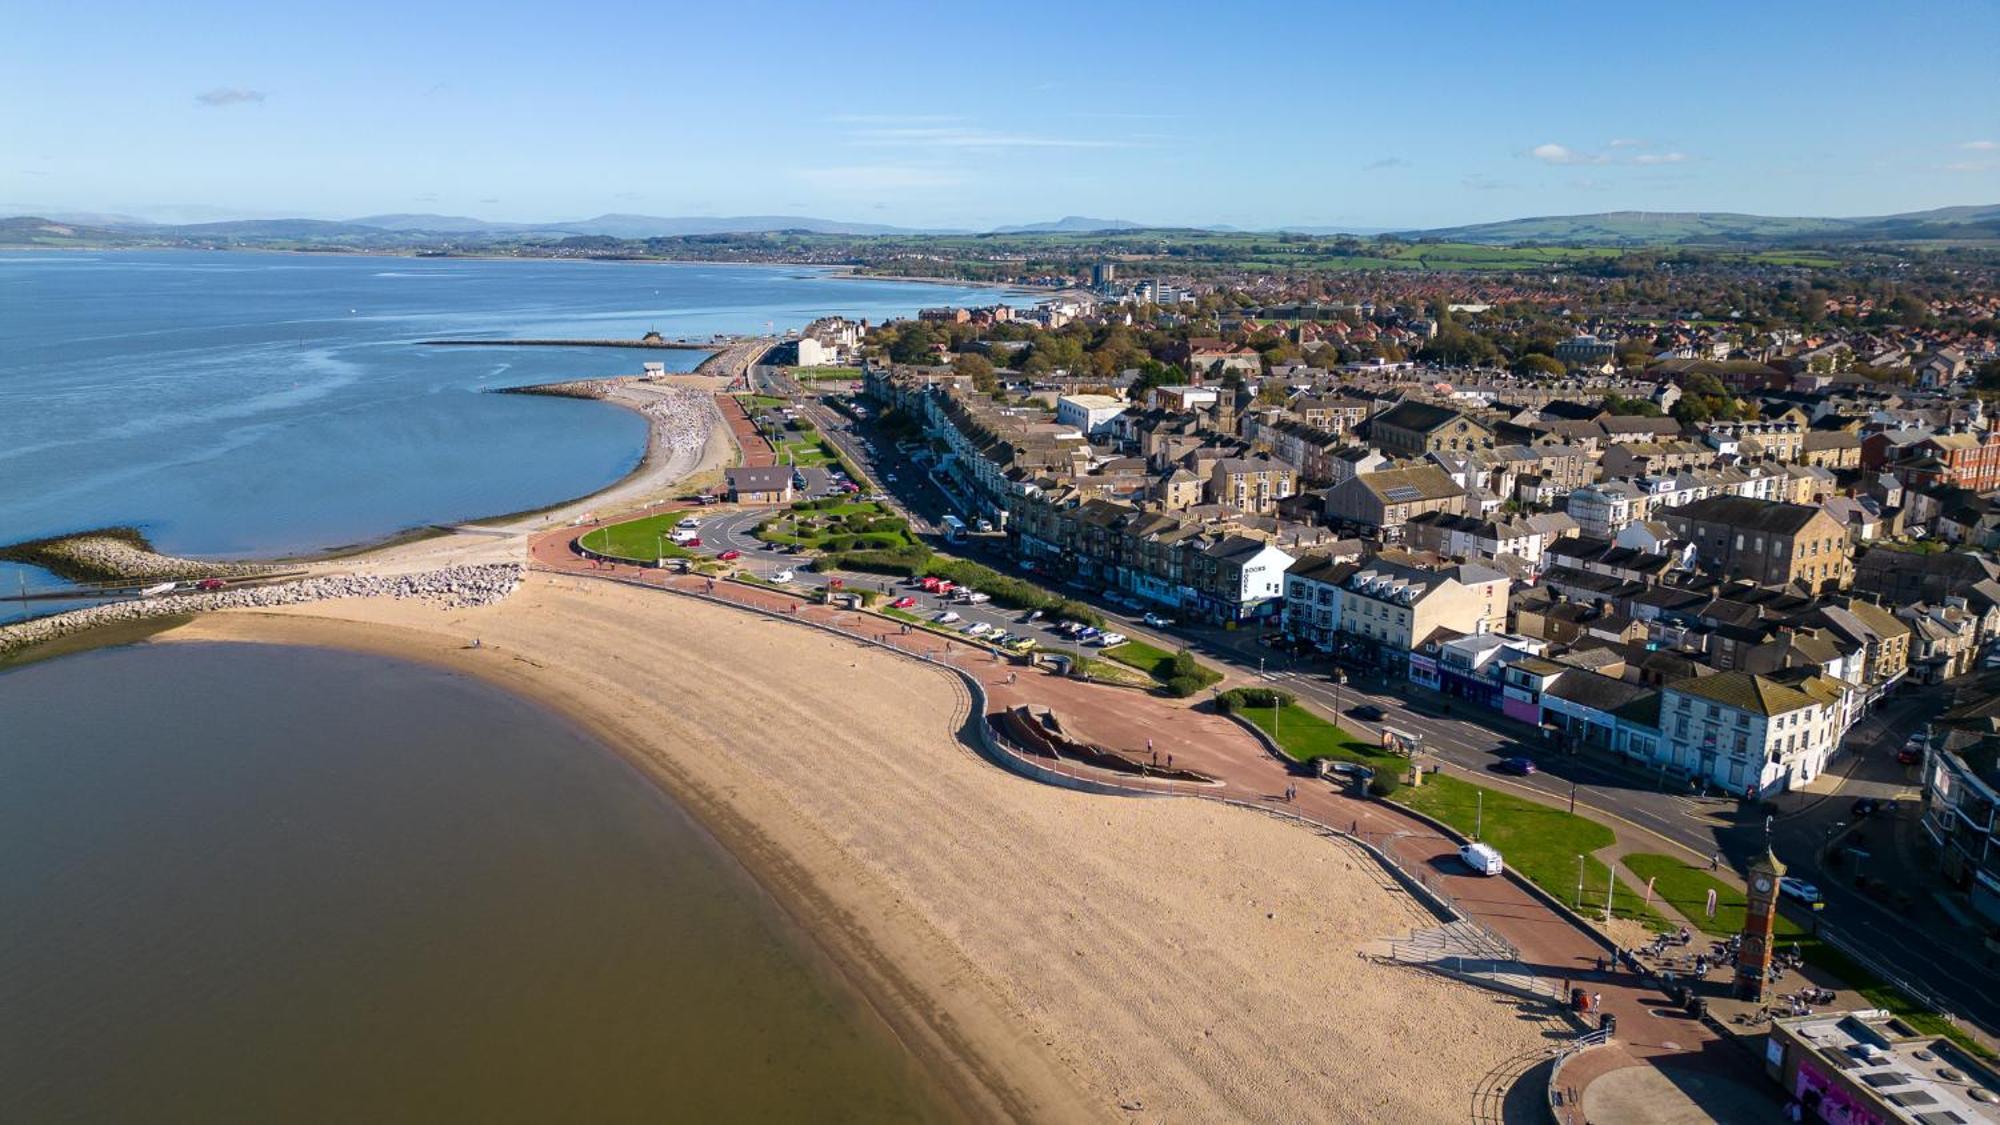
1404	492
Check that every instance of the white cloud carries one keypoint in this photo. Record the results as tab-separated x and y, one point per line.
1970	166
1553	153
1980	146
229	95
1626	142
879	177
1660	158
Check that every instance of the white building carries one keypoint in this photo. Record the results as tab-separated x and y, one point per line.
1741	732
1089	414
1603	510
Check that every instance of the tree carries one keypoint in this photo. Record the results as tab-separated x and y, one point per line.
1538	365
979	369
913	344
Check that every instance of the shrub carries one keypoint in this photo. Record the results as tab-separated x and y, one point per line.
1237	699
840	543
1180	687
1383	784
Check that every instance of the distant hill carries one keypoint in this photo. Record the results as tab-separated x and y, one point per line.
441	224
649	226
1644	228
1071	224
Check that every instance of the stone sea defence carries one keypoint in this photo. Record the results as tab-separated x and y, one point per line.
455	587
120	553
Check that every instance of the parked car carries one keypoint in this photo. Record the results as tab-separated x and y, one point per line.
903	602
693	542
1157	622
1520	767
1484	859
1033	616
210	584
1910	755
978	628
1864	806
1368	712
1799	889
1111	640
782	577
730	556
945	618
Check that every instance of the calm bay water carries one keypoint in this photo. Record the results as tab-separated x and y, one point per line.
246	404
247	883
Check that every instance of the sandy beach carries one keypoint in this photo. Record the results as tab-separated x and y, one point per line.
1050	955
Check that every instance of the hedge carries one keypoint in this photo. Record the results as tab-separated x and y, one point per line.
1236	699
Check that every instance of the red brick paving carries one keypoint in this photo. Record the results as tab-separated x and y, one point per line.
756	451
1124	719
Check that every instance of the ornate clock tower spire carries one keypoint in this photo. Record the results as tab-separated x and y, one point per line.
1753	954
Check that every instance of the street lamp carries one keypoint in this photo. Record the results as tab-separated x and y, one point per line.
1579	881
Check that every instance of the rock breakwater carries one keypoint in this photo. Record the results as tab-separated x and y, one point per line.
455	587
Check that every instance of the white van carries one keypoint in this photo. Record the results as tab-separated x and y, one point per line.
1484	859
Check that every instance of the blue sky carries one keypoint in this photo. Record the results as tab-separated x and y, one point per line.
1251	114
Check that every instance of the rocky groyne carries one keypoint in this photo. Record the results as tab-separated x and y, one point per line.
454	587
120	554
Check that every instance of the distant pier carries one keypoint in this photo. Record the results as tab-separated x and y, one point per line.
650	341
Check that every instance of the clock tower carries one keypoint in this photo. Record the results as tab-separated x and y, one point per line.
1753	954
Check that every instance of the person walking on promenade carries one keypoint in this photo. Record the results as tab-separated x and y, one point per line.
1715	861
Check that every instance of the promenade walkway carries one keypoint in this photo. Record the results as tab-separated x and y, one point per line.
1550	946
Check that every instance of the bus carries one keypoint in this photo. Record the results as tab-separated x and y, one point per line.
954	528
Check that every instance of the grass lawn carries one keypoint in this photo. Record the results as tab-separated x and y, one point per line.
641	540
804	453
1685	887
808	374
1539	841
759	402
1305	737
1155	662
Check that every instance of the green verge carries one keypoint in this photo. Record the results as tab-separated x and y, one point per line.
641	540
1539	841
1177	672
1685	887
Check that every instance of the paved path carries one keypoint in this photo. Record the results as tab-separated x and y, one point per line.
1550	945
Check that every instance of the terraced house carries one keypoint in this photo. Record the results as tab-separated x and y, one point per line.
1762	541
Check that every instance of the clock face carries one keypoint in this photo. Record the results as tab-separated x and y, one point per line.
1763	884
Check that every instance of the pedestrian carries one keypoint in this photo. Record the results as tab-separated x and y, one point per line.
1149	746
1597	1001
1715	861
1170	761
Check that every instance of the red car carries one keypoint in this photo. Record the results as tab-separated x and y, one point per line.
210	584
903	603
1909	756
730	556
695	542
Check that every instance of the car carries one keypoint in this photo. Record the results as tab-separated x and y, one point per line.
945	618
694	542
1110	640
1910	755
1033	616
782	577
690	523
979	628
1798	889
210	584
890	477
730	556
1864	806
1157	622
1368	712
1520	767
903	602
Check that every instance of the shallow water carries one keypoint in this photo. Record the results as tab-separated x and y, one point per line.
237	403
254	883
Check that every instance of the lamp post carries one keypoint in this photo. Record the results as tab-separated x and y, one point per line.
1579	881
1478	811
